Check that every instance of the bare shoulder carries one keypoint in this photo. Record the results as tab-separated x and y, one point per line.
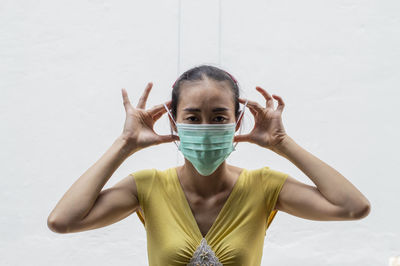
235	169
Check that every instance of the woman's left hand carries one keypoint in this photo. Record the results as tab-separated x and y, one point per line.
268	129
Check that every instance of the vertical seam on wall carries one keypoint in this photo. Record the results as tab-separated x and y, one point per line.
219	31
179	38
179	55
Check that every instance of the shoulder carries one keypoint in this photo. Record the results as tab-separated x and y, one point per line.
272	175
267	177
152	176
144	174
247	173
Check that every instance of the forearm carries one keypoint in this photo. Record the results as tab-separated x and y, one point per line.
81	196
331	184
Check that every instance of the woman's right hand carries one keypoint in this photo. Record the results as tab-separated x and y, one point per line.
138	128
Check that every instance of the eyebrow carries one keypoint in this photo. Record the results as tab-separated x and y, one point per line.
218	109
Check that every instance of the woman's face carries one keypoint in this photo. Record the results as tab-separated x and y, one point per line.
206	102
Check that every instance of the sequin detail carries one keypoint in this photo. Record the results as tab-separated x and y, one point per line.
204	256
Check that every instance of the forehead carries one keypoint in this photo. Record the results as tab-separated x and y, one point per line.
205	94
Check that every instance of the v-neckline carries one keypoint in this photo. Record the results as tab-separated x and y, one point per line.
189	210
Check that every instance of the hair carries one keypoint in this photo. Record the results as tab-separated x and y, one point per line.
201	73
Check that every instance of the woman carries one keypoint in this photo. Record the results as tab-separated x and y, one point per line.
205	212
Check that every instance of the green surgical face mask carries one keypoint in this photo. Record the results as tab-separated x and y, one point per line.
206	146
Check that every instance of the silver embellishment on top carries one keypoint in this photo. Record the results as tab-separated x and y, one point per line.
204	256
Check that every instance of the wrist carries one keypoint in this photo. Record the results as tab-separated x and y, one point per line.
283	145
125	145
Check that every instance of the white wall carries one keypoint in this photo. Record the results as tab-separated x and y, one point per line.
62	67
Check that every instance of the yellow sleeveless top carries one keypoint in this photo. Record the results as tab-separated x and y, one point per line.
235	238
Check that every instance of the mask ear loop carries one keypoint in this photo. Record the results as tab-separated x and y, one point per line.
172	120
240	130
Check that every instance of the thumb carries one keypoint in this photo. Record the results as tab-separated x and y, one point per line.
242	138
167	138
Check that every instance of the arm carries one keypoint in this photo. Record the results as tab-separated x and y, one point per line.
333	198
84	206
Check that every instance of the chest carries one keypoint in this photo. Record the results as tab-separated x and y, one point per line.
205	212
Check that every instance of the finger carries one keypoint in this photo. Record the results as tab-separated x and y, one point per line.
251	109
157	116
254	105
126	102
281	103
166	138
268	98
142	101
159	108
242	138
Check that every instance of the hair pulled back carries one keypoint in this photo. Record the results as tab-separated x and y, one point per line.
199	73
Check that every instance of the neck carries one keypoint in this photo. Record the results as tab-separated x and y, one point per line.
204	186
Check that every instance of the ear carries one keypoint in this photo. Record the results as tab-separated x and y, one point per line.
239	123
172	124
171	121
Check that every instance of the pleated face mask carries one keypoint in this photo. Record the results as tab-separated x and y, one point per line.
206	146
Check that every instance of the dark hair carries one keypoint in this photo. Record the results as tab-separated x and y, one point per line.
200	73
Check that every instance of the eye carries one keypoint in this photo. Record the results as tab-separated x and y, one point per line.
190	118
221	117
